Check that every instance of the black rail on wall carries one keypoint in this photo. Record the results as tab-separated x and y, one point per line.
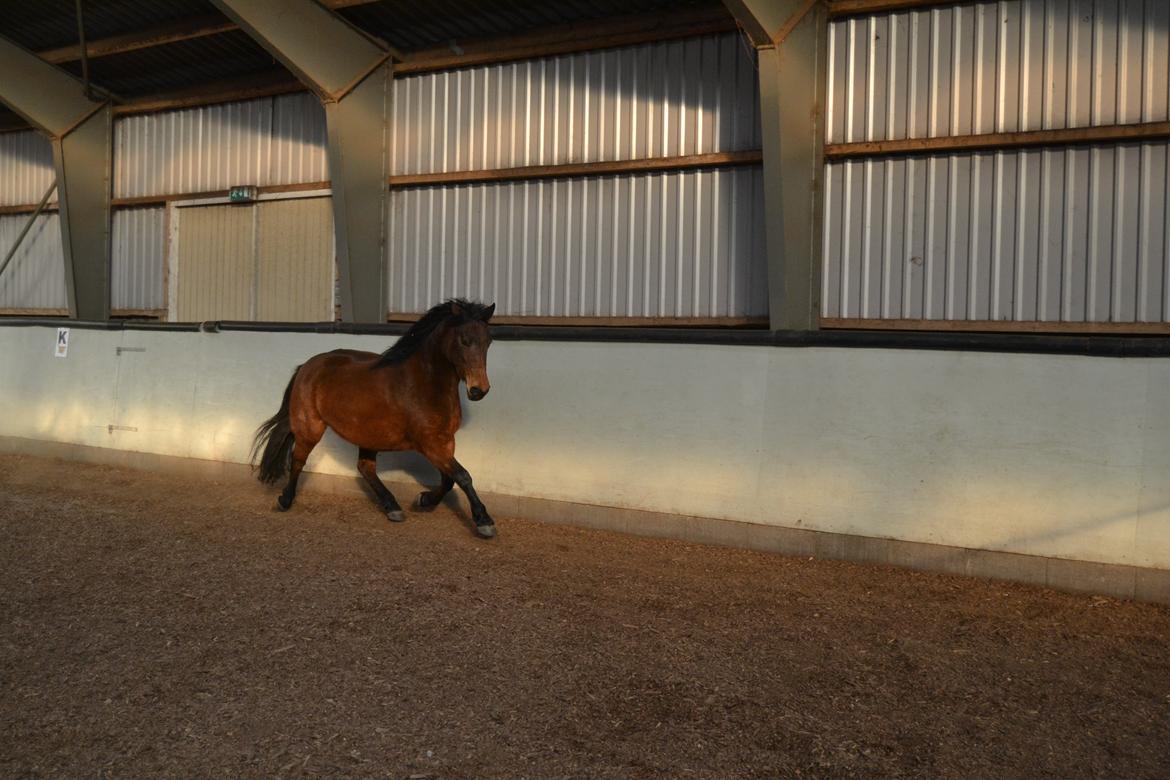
1094	345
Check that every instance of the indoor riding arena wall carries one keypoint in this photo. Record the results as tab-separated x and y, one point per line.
1051	469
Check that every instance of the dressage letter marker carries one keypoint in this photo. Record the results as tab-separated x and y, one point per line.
62	348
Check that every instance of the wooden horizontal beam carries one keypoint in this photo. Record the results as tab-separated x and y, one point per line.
19	312
174	32
138	313
275	81
162	200
992	141
609	167
615	322
568	38
999	326
161	35
26	208
856	7
644	165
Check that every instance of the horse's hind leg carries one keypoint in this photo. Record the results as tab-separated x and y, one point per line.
368	467
305	439
429	499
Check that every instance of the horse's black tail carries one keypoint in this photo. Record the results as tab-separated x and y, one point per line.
275	438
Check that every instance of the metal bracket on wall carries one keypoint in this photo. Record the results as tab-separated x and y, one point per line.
793	21
120	350
130	428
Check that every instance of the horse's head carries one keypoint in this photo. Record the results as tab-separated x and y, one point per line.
465	343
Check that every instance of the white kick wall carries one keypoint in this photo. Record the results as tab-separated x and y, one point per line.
1049	455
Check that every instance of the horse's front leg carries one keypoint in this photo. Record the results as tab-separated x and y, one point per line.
444	460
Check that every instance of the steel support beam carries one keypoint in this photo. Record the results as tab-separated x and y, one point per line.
80	129
350	74
791	37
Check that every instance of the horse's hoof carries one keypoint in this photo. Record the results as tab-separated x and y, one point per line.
396	516
487	530
422	503
283	504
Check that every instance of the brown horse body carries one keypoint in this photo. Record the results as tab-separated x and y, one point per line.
407	398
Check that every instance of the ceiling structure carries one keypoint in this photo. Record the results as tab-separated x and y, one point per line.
154	53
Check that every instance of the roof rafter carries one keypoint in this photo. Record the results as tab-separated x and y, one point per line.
161	35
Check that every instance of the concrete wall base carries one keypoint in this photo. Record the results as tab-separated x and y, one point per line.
1129	582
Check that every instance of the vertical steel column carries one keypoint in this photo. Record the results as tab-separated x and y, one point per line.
358	169
81	132
791	37
350	74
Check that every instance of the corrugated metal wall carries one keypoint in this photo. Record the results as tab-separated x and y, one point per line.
138	255
1077	234
26	168
679	244
35	278
996	67
658	100
1061	234
650	245
277	140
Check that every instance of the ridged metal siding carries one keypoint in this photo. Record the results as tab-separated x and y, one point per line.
1077	234
998	67
664	99
680	244
26	168
138	255
277	140
35	279
677	244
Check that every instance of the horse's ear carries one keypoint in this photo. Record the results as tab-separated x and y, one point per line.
456	309
488	312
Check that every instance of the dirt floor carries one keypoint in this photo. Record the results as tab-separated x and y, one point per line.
152	626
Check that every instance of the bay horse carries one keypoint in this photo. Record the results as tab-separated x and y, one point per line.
406	398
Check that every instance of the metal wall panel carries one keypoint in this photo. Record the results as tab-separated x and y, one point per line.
26	168
295	264
1008	66
217	266
269	141
1075	234
678	244
137	258
663	99
35	278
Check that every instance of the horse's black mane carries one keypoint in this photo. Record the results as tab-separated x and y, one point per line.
425	326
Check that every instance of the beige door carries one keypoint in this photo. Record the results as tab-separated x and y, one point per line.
271	260
217	266
295	260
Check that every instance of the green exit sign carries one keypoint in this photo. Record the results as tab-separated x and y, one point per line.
242	194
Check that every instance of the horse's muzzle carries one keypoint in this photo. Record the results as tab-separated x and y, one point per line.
476	393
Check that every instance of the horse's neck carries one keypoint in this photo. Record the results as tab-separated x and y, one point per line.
440	373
